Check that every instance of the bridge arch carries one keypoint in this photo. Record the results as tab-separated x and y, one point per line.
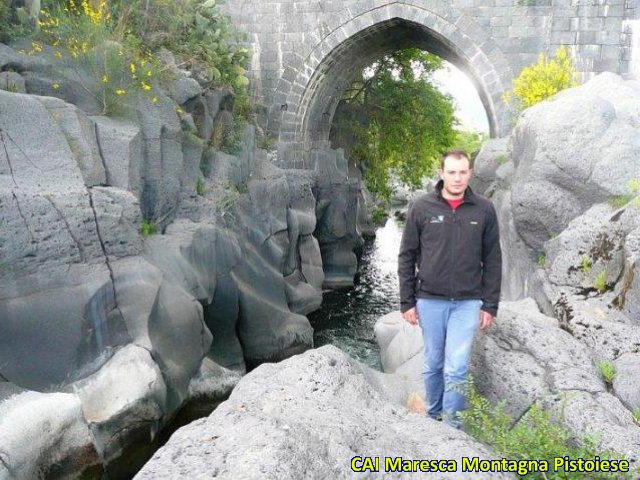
311	86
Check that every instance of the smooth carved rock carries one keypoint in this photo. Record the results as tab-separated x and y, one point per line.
307	417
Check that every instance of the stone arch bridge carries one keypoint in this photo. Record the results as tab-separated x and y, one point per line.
306	52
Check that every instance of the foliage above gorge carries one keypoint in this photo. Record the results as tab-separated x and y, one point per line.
118	43
398	121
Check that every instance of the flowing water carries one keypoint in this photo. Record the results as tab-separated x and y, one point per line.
347	317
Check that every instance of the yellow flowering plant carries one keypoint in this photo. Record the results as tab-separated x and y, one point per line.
84	36
543	79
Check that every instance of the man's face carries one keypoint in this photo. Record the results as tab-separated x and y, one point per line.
455	175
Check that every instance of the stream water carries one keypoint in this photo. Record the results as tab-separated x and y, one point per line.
347	317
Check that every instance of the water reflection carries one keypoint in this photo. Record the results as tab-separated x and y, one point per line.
347	317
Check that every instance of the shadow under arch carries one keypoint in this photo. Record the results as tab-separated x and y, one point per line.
319	80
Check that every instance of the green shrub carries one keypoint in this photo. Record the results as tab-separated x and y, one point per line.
542	80
634	186
501	159
586	265
228	200
118	42
636	415
233	137
542	260
378	214
148	227
85	38
534	436
202	38
266	143
620	201
607	371
600	282
200	187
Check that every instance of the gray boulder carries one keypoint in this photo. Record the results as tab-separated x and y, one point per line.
561	161
625	382
44	435
526	358
124	403
325	409
492	156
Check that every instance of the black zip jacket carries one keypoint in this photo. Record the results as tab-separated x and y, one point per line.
457	252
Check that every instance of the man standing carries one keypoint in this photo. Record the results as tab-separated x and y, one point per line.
452	237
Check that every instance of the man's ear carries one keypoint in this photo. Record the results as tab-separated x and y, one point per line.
440	173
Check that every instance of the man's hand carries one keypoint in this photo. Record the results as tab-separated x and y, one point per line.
411	316
486	319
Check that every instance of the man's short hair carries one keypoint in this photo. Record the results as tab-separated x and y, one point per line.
457	154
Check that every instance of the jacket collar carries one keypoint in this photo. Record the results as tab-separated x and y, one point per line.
468	193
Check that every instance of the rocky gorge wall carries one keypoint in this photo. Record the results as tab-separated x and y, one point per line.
105	333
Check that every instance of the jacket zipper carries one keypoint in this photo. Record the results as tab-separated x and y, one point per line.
453	242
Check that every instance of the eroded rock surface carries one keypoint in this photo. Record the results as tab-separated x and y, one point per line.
306	417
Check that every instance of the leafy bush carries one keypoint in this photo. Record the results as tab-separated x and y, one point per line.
501	159
200	187
378	214
607	371
85	38
600	282
585	264
148	227
202	38
542	80
620	201
534	436
118	43
407	143
470	142
542	260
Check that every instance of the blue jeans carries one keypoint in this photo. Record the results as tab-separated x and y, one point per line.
448	329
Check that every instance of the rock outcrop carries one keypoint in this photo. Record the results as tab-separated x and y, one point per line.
135	327
527	358
307	417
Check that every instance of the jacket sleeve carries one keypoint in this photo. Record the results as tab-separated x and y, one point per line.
407	259
491	263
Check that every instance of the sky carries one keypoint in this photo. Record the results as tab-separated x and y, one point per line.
469	108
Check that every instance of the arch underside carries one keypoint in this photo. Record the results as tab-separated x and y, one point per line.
337	71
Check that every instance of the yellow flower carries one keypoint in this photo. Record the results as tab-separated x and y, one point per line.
149	73
145	86
57	54
179	110
132	67
154	99
105	79
56	86
120	92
